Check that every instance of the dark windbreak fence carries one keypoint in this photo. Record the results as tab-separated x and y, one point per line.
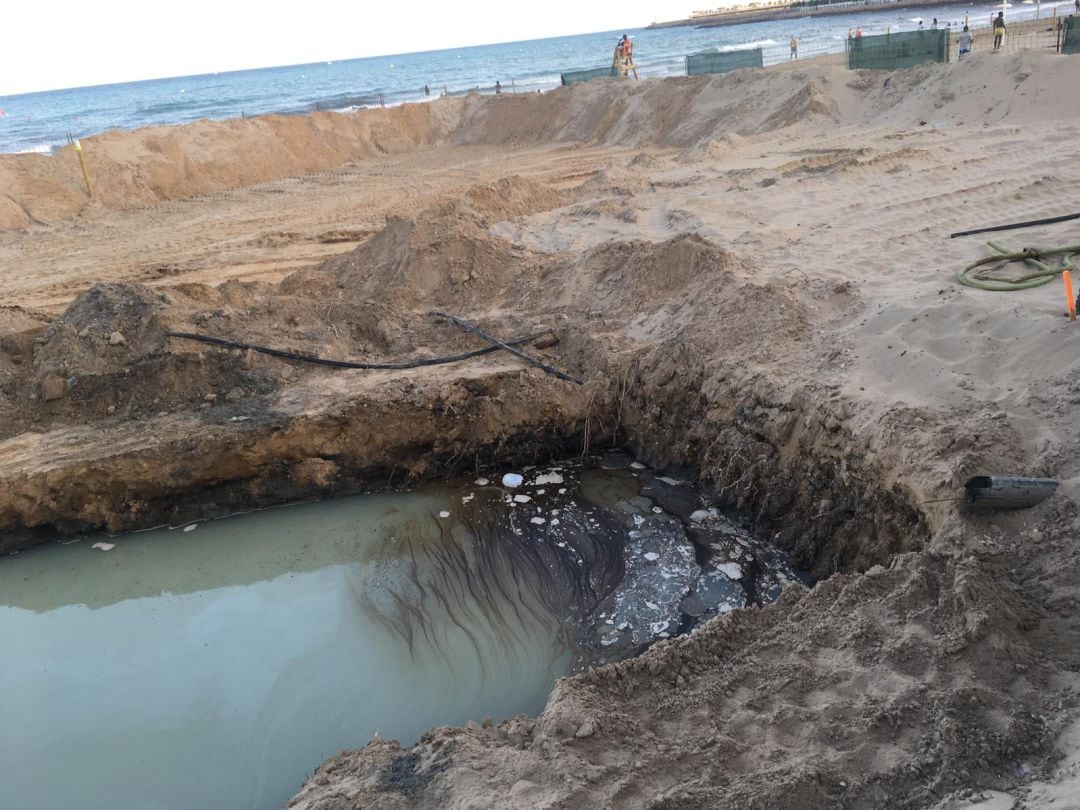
1070	40
894	51
714	62
576	76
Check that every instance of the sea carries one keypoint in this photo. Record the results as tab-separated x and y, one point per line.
40	122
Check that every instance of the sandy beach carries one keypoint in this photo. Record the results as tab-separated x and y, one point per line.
753	275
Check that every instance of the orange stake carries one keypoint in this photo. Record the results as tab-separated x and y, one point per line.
1069	300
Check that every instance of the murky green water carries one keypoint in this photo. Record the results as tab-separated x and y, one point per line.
218	667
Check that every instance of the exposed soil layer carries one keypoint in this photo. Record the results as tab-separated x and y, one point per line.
757	291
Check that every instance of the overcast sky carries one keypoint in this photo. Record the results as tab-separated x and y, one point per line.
61	43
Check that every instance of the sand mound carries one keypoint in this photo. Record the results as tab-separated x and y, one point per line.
512	197
719	148
618	180
441	258
131	169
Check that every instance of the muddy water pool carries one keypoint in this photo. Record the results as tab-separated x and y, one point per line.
216	665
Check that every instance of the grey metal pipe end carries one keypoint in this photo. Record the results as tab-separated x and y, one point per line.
1007	492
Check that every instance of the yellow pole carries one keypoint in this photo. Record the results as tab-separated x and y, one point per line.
82	163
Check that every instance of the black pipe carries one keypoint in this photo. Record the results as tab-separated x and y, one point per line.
1007	492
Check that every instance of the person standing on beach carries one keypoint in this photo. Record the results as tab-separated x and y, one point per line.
498	88
795	46
999	30
933	24
966	40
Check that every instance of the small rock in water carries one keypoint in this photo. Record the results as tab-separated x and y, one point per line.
539	521
549	478
651	556
512	480
522	498
482	482
117	339
104	546
191	527
636	465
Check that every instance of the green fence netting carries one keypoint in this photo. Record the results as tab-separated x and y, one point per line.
1070	40
713	62
575	76
892	51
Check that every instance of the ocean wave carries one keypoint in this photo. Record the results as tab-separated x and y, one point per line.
36	149
746	46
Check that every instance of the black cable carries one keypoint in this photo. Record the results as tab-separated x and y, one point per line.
307	358
498	344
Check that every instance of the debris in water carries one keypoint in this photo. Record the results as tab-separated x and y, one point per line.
481	482
191	527
651	556
539	521
444	514
104	546
730	570
522	498
549	478
512	480
636	465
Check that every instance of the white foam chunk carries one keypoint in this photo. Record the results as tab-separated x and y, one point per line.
730	570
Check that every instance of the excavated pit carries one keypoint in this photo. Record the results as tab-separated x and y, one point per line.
116	426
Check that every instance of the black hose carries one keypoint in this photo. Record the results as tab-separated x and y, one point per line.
498	344
1029	224
307	358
